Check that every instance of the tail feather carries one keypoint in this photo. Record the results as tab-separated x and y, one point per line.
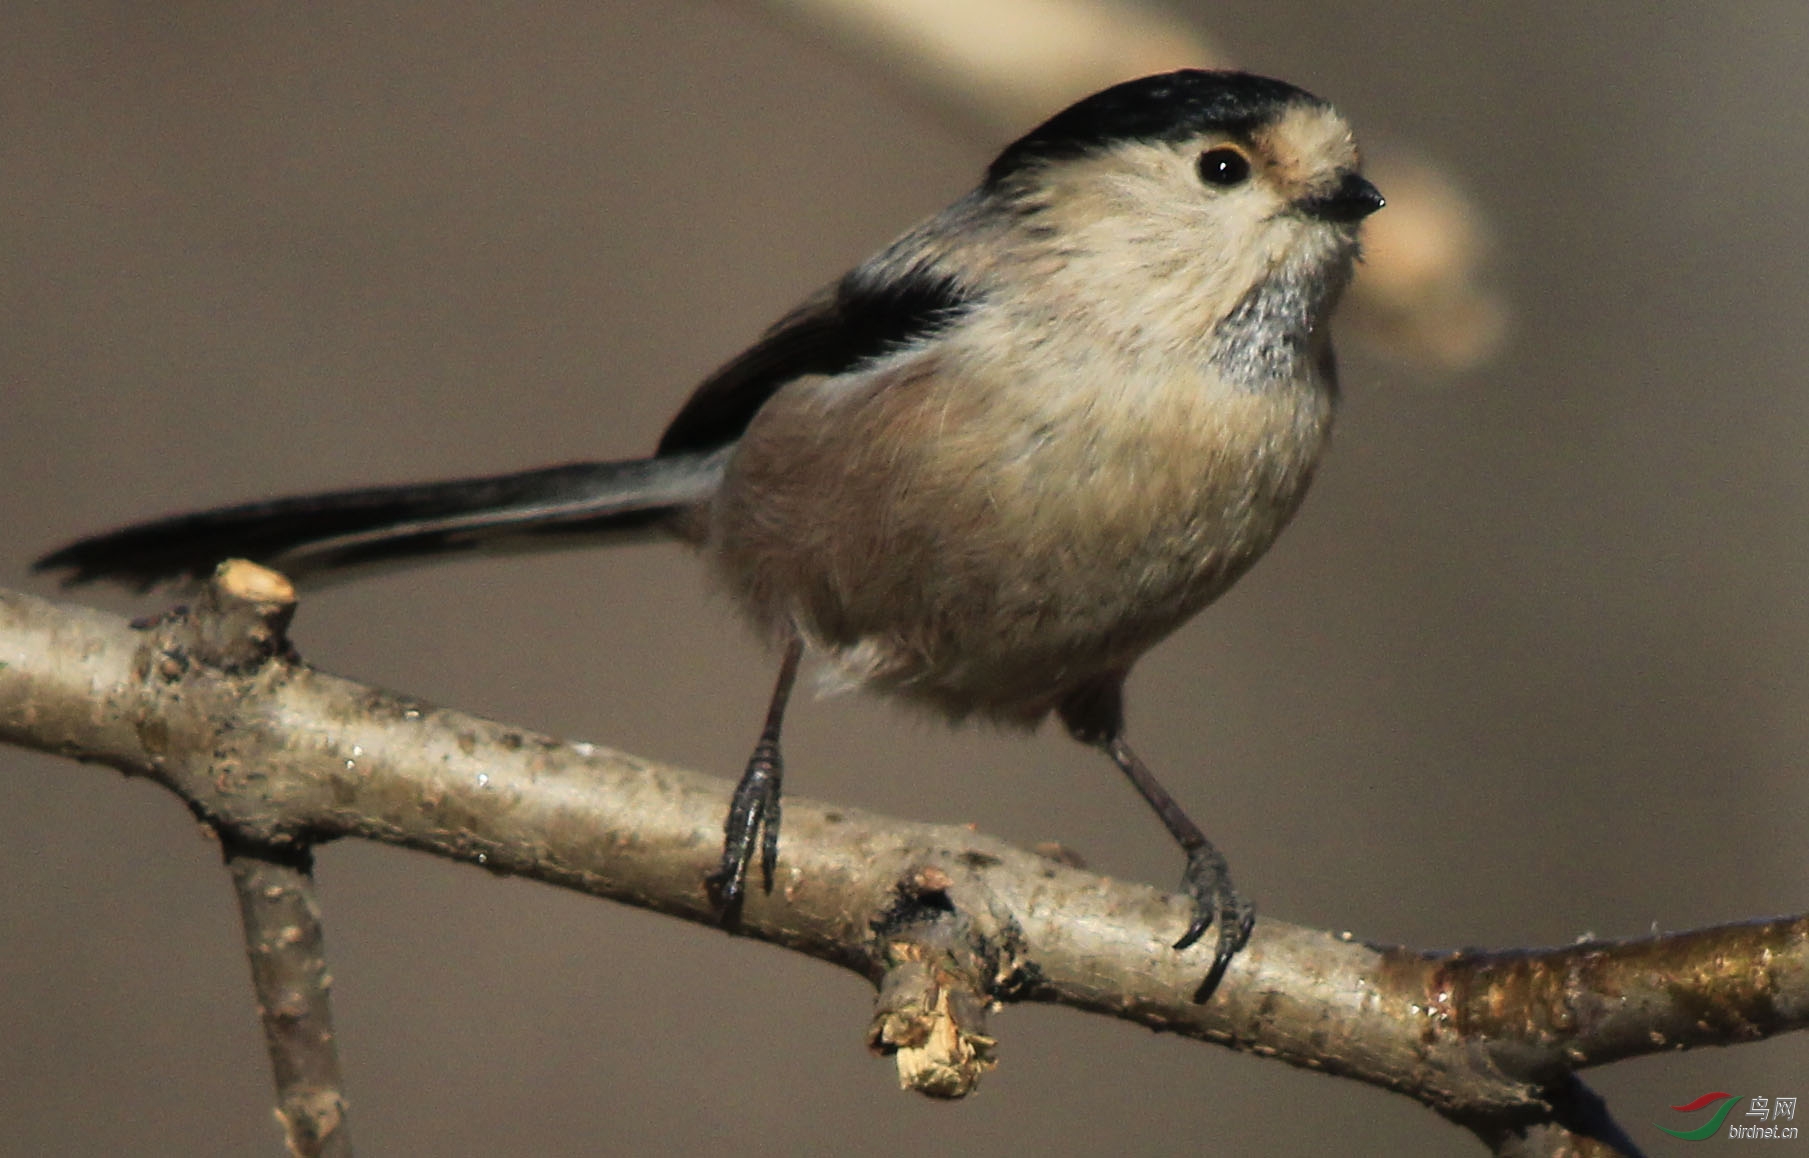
310	534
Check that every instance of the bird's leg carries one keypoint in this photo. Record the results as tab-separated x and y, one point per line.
1096	717
755	808
1207	878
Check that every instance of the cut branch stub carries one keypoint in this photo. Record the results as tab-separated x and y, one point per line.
949	954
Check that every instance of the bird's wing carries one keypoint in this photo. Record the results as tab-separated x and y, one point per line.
854	320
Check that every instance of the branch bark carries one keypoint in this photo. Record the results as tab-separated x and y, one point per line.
240	625
289	974
277	756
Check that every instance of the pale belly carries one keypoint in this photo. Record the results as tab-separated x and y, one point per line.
932	550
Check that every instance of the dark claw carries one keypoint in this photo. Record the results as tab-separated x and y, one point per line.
725	896
1208	882
769	830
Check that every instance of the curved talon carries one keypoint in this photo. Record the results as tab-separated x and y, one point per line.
724	892
1231	938
1202	920
1208	881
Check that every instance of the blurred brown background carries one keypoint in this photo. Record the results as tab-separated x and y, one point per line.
1530	665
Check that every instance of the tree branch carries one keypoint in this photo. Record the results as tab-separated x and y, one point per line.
278	756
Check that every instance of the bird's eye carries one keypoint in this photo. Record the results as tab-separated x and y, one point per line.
1224	166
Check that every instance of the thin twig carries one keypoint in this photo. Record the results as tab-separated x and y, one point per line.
289	974
1581	1127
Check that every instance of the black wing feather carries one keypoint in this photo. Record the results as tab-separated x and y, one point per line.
855	320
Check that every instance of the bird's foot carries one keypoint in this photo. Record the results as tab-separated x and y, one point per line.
1208	881
753	813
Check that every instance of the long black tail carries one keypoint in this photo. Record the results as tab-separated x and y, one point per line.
310	534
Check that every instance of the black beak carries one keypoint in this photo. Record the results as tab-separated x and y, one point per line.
1352	201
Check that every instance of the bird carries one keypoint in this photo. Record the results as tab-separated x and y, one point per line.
981	473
